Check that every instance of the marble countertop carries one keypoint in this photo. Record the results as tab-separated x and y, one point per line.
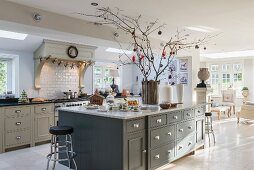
151	110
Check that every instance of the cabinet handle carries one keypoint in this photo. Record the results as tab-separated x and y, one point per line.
189	143
157	137
43	109
198	111
18	137
18	123
144	151
174	117
180	147
158	121
169	133
189	127
136	125
188	114
169	151
157	156
180	130
17	111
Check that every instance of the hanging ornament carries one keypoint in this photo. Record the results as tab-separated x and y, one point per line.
171	53
164	54
196	47
133	59
134	49
142	57
152	58
204	48
161	65
159	32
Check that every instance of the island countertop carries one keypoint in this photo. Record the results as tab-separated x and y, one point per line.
150	110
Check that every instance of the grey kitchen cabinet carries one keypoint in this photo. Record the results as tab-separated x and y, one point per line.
200	126
137	151
1	129
43	120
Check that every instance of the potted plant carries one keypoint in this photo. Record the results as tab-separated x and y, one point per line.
151	58
245	92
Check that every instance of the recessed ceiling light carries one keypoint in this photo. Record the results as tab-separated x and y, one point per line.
232	54
119	51
201	29
94	4
12	35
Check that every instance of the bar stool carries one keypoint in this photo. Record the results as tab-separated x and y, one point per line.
209	126
61	143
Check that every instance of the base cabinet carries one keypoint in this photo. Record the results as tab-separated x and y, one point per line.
42	124
136	144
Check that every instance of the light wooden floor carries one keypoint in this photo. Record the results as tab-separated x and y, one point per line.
234	150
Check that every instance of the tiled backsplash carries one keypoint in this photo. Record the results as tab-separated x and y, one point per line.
57	79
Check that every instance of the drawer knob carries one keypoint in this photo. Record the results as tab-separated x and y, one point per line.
174	117
18	137
188	114
157	156
169	151
17	111
180	147
189	143
144	151
157	137
136	125
169	133
198	111
158	121
18	123
180	130
189	127
43	109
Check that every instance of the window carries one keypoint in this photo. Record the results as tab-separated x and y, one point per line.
226	75
102	79
3	77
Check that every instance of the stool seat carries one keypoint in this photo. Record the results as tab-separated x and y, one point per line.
208	114
60	130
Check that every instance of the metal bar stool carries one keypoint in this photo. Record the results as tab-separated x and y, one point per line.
209	126
61	149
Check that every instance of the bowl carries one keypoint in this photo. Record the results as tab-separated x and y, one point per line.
165	105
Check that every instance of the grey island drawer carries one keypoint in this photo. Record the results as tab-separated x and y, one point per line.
162	155
162	136
188	113
135	125
159	120
185	128
185	145
175	116
199	111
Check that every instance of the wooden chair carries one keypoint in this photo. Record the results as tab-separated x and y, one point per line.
228	99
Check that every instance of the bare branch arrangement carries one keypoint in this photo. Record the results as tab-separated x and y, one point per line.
144	56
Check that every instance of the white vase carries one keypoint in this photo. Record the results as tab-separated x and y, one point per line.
165	93
179	92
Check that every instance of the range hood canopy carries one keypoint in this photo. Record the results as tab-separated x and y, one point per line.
56	50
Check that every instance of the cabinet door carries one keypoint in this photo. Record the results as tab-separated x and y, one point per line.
42	125
200	131
137	157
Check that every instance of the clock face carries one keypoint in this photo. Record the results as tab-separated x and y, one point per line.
72	52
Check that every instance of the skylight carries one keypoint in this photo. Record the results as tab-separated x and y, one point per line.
12	35
201	29
120	51
232	54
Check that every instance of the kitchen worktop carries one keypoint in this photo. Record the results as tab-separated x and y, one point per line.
14	102
150	110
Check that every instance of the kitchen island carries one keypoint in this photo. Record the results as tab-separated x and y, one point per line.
141	140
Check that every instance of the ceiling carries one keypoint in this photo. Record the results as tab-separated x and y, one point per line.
234	19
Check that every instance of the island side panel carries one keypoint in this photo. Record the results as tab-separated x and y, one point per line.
98	141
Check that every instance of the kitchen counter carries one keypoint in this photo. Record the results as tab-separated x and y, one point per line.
150	110
144	140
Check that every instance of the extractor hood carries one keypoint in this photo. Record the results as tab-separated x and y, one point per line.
56	51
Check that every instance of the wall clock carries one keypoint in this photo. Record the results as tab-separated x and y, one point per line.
72	52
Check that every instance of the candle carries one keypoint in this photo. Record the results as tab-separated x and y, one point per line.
166	93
